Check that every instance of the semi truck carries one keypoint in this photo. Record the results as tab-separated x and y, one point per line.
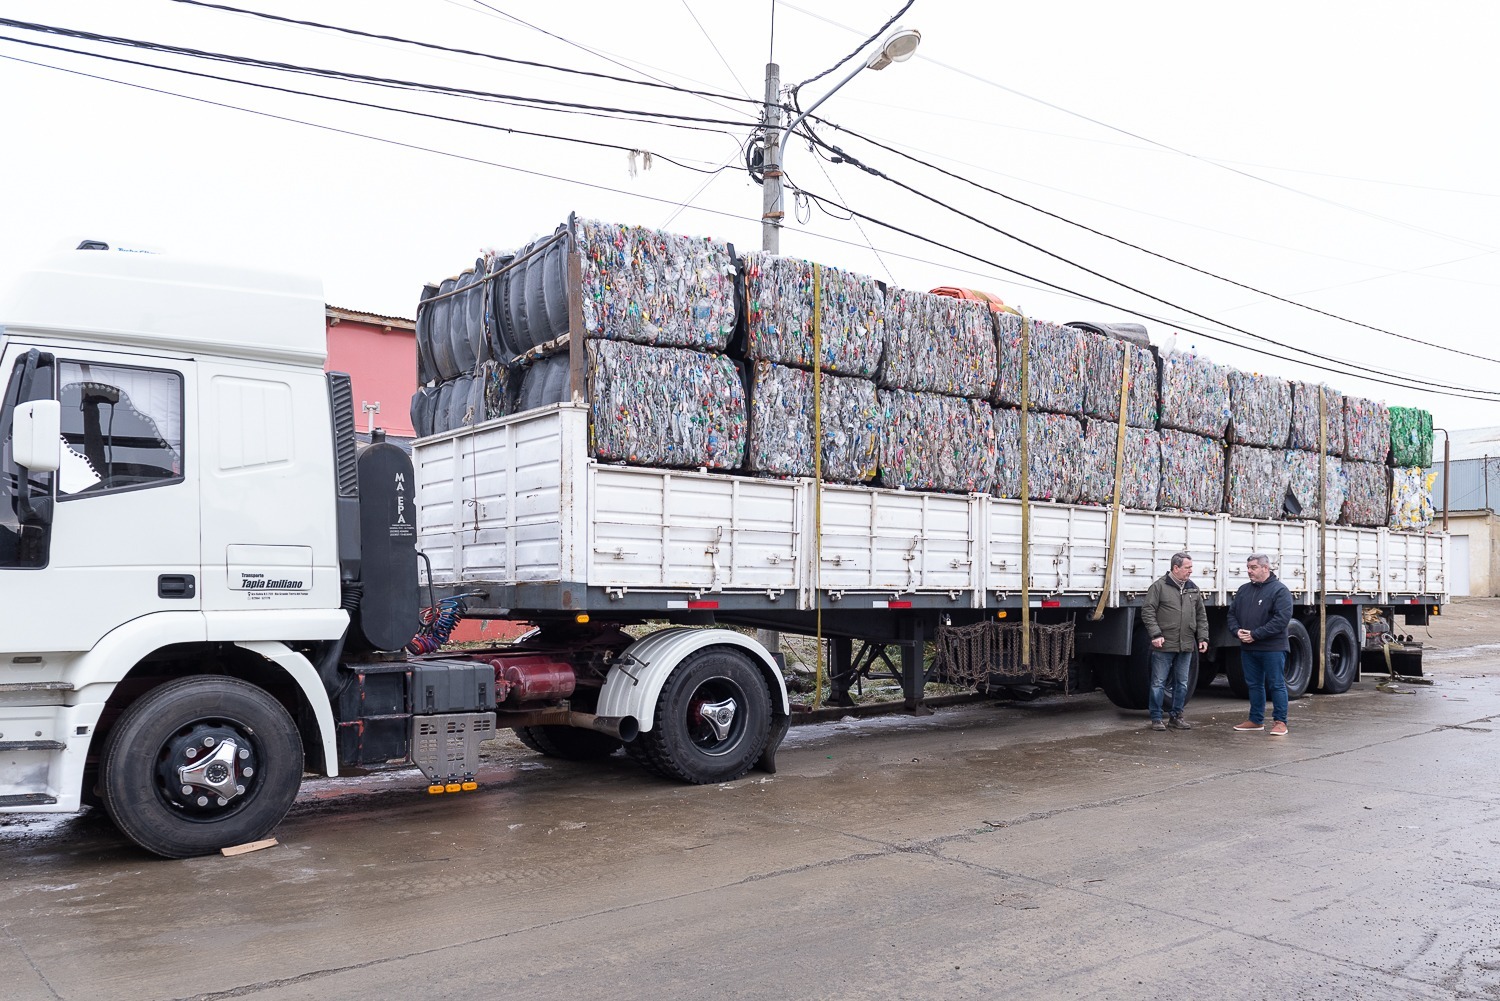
210	587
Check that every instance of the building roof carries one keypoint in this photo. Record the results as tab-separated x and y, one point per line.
337	313
1473	443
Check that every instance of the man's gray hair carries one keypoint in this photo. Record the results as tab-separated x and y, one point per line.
1178	559
1260	558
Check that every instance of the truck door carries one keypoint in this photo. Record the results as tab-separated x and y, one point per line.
113	534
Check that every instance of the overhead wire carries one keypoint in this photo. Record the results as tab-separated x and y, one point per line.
715	46
857	49
854	161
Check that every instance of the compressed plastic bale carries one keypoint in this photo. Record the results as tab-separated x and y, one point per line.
440	343
665	406
651	287
781	425
1411	437
1055	455
1194	394
1141	481
1192	473
1103	365
779	312
1305	417
1302	482
426	369
1368	502
1411	498
1260	409
1055	379
933	442
1256	482
1367	430
938	344
423	402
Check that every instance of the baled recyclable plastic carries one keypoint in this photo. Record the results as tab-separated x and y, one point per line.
1411	498
779	311
1302	481
1367	430
1141	482
1257	480
934	442
781	425
1305	417
1194	394
654	406
1368	502
652	287
1192	472
938	344
1260	409
1103	364
1411	437
1054	455
1055	380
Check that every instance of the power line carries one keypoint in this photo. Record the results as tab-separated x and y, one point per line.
714	45
351	77
330	97
857	49
1108	236
473	52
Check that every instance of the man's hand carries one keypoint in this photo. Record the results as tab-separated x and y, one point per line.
1245	637
1159	642
1202	646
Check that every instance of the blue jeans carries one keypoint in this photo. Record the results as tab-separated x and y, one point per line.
1179	664
1265	669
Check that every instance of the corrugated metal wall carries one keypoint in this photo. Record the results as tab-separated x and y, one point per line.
1467	482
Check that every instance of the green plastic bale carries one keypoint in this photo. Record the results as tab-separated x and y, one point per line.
1411	437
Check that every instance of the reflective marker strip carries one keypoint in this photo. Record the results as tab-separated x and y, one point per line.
692	604
1051	604
890	604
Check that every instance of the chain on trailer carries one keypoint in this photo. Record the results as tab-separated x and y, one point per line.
994	654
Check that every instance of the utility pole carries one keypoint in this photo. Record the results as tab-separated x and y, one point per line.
771	213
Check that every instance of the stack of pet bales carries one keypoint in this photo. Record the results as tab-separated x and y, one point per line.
779	300
1367	446
1195	412
1260	425
458	377
1302	460
1104	359
1411	454
658	312
937	373
1055	390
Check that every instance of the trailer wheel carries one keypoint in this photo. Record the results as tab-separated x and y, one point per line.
1127	680
201	764
1234	673
570	743
1340	657
1299	660
712	720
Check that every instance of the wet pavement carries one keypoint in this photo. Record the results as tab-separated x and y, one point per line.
1052	849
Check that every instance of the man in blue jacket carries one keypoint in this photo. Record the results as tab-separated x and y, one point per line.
1259	616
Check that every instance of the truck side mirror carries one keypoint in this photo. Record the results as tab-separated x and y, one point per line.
36	436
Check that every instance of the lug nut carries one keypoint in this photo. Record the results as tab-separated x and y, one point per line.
208	742
187	790
223	801
192	752
202	800
244	753
248	771
239	790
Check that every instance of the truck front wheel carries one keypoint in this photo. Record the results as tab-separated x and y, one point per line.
567	742
201	764
712	720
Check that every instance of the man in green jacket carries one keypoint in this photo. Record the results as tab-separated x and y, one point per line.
1177	623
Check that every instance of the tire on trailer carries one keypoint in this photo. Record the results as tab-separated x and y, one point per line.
1127	680
570	743
1341	657
1234	673
1208	672
711	722
1299	661
240	740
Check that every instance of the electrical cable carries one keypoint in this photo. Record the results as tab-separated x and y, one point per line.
346	76
350	101
1100	233
474	52
715	46
857	50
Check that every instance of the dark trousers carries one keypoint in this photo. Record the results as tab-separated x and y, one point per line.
1265	669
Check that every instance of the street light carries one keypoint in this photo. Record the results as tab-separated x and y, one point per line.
899	46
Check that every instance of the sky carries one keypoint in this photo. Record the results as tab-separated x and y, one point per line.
1335	161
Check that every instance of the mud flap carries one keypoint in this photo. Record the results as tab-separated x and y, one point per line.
780	724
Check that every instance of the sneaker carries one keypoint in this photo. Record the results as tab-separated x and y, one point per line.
1178	723
1249	725
1278	729
1157	724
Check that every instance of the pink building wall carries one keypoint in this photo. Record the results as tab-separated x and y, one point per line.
380	355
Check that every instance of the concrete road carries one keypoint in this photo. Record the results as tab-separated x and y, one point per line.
1055	849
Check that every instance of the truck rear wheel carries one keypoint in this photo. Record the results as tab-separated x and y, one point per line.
712	720
1127	680
570	743
1340	657
201	764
